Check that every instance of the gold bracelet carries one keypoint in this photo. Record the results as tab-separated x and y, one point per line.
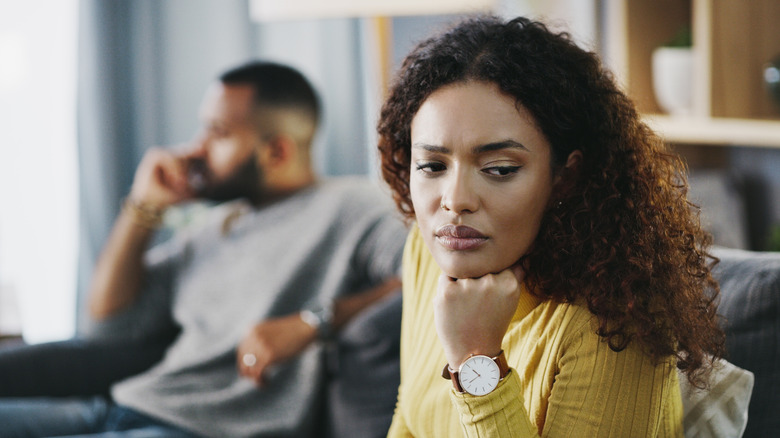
143	214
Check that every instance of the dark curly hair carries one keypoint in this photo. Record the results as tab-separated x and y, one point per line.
619	233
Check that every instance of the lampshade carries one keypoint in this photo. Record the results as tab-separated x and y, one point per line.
267	10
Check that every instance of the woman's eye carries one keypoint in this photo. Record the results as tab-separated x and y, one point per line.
430	167
501	170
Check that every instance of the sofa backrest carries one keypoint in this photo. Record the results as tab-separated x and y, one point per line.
750	306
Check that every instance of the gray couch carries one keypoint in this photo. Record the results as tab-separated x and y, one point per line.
363	364
362	368
750	306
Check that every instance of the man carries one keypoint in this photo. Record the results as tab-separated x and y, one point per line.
252	287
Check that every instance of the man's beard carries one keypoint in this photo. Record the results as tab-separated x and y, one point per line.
244	182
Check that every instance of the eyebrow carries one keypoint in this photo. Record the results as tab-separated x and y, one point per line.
497	146
489	147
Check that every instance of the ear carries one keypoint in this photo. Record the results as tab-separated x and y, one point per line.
570	170
279	151
574	160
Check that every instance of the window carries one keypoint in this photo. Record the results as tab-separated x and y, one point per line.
38	168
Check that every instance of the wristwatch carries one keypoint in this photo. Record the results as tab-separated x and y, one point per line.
479	374
320	317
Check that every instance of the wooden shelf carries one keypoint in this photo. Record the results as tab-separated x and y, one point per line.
732	41
716	131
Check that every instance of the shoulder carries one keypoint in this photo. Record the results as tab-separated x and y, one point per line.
563	326
355	191
355	203
357	210
577	318
578	334
570	317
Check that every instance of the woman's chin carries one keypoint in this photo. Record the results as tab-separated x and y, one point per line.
458	270
470	264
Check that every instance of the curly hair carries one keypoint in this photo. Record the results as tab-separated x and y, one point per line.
618	233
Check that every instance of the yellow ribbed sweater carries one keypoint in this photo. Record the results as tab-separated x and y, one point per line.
565	380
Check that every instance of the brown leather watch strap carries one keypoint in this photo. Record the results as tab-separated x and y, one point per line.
450	374
503	366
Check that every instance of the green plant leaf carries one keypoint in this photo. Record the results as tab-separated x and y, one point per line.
683	38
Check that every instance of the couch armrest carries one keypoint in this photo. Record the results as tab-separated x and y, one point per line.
750	304
364	372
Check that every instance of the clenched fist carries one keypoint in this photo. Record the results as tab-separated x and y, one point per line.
473	314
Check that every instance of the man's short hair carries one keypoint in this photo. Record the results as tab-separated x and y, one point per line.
276	86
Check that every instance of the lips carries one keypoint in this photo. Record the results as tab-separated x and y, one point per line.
460	237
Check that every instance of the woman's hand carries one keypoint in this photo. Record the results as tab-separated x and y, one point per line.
473	314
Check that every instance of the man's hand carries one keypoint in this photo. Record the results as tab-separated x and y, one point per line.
271	342
473	314
161	179
279	339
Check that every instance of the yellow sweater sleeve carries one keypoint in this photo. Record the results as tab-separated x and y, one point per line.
498	414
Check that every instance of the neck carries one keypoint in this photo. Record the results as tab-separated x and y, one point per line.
273	193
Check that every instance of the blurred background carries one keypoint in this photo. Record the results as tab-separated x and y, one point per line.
86	86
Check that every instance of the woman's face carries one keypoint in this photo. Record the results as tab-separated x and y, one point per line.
480	180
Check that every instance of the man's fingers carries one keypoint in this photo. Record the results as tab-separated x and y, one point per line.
160	179
252	365
173	173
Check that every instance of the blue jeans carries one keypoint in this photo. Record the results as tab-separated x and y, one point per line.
72	417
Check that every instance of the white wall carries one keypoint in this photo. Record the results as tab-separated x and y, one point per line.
38	194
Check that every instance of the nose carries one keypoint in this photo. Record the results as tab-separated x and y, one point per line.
459	195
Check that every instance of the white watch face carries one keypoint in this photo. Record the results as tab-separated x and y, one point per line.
479	375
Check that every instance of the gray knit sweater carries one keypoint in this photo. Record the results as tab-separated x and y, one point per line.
338	237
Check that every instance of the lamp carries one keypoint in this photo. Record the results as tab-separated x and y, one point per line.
378	10
266	10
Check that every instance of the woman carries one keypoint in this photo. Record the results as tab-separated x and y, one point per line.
556	270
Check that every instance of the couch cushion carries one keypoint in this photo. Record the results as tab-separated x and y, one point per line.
750	305
723	209
365	372
722	410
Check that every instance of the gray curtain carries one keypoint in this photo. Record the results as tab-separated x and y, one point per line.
143	68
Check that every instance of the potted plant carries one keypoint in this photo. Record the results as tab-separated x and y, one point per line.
673	74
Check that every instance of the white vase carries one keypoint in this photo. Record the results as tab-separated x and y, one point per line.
673	79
